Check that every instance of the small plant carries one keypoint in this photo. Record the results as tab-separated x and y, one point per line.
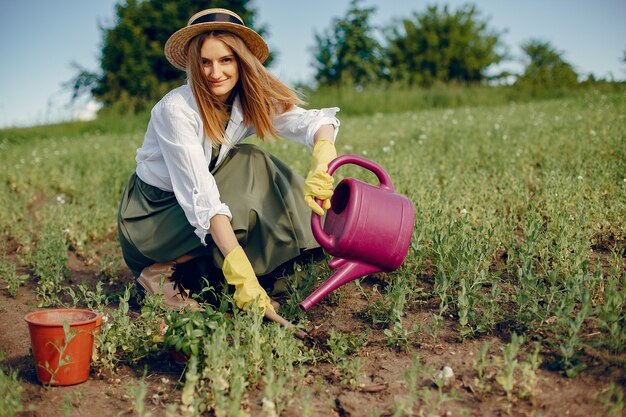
302	283
377	312
138	393
529	377
389	309
612	314
186	330
491	309
279	386
340	346
570	345
612	400
465	303
481	364
436	323
48	261
190	403
69	402
343	344
67	406
398	337
411	377
9	275
305	403
506	377
94	300
63	359
431	401
518	378
10	391
125	339
110	266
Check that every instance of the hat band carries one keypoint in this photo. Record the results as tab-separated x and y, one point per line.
217	17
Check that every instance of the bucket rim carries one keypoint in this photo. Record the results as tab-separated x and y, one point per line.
30	317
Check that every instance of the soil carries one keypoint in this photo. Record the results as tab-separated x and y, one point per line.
381	385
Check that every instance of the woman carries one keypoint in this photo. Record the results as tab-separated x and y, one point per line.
197	193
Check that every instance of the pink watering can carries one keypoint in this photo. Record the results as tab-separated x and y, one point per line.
367	229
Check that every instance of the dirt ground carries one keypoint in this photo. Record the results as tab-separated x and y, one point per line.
382	382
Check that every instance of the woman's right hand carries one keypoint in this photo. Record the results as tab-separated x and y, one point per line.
238	272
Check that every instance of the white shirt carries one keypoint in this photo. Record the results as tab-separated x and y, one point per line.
175	153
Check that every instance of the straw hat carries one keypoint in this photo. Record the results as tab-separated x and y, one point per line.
209	20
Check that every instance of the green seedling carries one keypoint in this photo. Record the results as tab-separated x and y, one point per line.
63	358
8	274
340	348
12	391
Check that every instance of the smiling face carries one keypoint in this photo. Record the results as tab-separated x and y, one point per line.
220	67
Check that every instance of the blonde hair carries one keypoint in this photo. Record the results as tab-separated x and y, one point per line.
261	94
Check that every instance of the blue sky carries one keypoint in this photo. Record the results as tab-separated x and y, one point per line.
39	39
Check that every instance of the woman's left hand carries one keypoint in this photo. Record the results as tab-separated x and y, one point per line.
238	272
318	183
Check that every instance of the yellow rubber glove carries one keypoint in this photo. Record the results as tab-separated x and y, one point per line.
238	272
318	183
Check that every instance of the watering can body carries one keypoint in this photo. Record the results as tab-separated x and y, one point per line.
368	228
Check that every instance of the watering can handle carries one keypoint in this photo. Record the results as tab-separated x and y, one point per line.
326	241
383	177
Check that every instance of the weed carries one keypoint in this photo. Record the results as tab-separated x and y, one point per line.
506	377
305	403
138	392
340	347
612	314
48	262
612	400
94	300
110	265
67	406
529	378
12	390
571	341
304	283
127	340
389	309
279	385
186	330
481	364
191	404
430	402
9	275
398	337
436	323
411	377
518	378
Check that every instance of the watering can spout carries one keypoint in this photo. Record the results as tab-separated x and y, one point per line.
346	272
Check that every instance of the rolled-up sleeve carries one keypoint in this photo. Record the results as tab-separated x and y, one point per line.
300	125
179	136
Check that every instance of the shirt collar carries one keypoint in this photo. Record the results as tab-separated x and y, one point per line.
236	113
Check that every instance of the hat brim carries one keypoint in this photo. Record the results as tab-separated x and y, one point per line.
176	46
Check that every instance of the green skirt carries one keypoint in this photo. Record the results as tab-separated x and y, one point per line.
270	217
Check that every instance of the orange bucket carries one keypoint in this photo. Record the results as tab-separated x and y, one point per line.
47	338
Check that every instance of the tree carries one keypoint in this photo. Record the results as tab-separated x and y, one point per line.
348	53
133	69
440	45
545	68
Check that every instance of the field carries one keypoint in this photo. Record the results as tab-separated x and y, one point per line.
515	278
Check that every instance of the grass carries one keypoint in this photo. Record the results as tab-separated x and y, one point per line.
519	230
